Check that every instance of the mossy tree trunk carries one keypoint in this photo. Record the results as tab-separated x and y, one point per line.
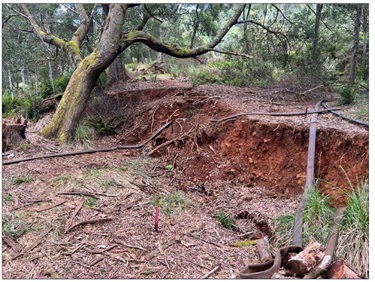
112	43
77	93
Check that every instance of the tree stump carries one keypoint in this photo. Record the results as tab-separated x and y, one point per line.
13	132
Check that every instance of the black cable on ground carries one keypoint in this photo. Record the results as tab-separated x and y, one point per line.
358	122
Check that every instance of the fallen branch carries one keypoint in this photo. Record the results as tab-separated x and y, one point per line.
210	272
159	249
36	243
168	142
77	209
88	222
45	208
91	151
129	246
274	114
78	193
9	241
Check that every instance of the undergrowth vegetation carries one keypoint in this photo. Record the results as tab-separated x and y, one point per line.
353	240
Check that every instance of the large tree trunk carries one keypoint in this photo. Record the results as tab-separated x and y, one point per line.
319	8
83	80
353	64
116	71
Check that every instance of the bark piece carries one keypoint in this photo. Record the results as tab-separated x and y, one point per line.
264	250
307	259
340	270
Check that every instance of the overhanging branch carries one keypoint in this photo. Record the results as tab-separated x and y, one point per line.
173	50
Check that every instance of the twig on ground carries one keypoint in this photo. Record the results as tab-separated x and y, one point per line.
29	204
88	222
169	142
129	246
9	241
77	209
44	208
96	261
211	272
79	193
36	243
208	242
155	252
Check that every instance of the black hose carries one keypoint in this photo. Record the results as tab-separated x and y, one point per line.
358	122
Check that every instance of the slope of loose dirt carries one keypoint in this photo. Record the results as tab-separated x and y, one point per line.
251	168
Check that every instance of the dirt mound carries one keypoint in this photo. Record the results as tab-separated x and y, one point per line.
253	150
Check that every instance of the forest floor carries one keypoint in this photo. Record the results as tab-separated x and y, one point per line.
93	215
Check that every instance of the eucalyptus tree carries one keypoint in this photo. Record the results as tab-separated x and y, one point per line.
117	35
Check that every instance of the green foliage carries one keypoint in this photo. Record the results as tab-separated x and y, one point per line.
353	242
7	198
225	220
347	92
169	167
10	106
15	227
84	134
100	126
23	104
90	202
317	216
172	203
60	83
317	219
22	179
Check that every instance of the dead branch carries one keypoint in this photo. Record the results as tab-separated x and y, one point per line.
91	151
169	142
210	272
29	204
77	209
36	243
274	114
232	53
9	241
129	246
88	222
78	193
48	207
330	247
158	249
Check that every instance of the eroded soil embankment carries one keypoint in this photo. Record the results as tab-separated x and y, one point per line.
276	156
251	150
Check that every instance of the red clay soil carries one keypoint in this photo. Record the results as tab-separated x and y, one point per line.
254	150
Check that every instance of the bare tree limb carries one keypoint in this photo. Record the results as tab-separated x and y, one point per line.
278	9
151	15
173	50
232	53
320	20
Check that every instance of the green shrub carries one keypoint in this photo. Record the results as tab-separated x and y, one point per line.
347	92
10	106
84	134
225	220
100	126
60	83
